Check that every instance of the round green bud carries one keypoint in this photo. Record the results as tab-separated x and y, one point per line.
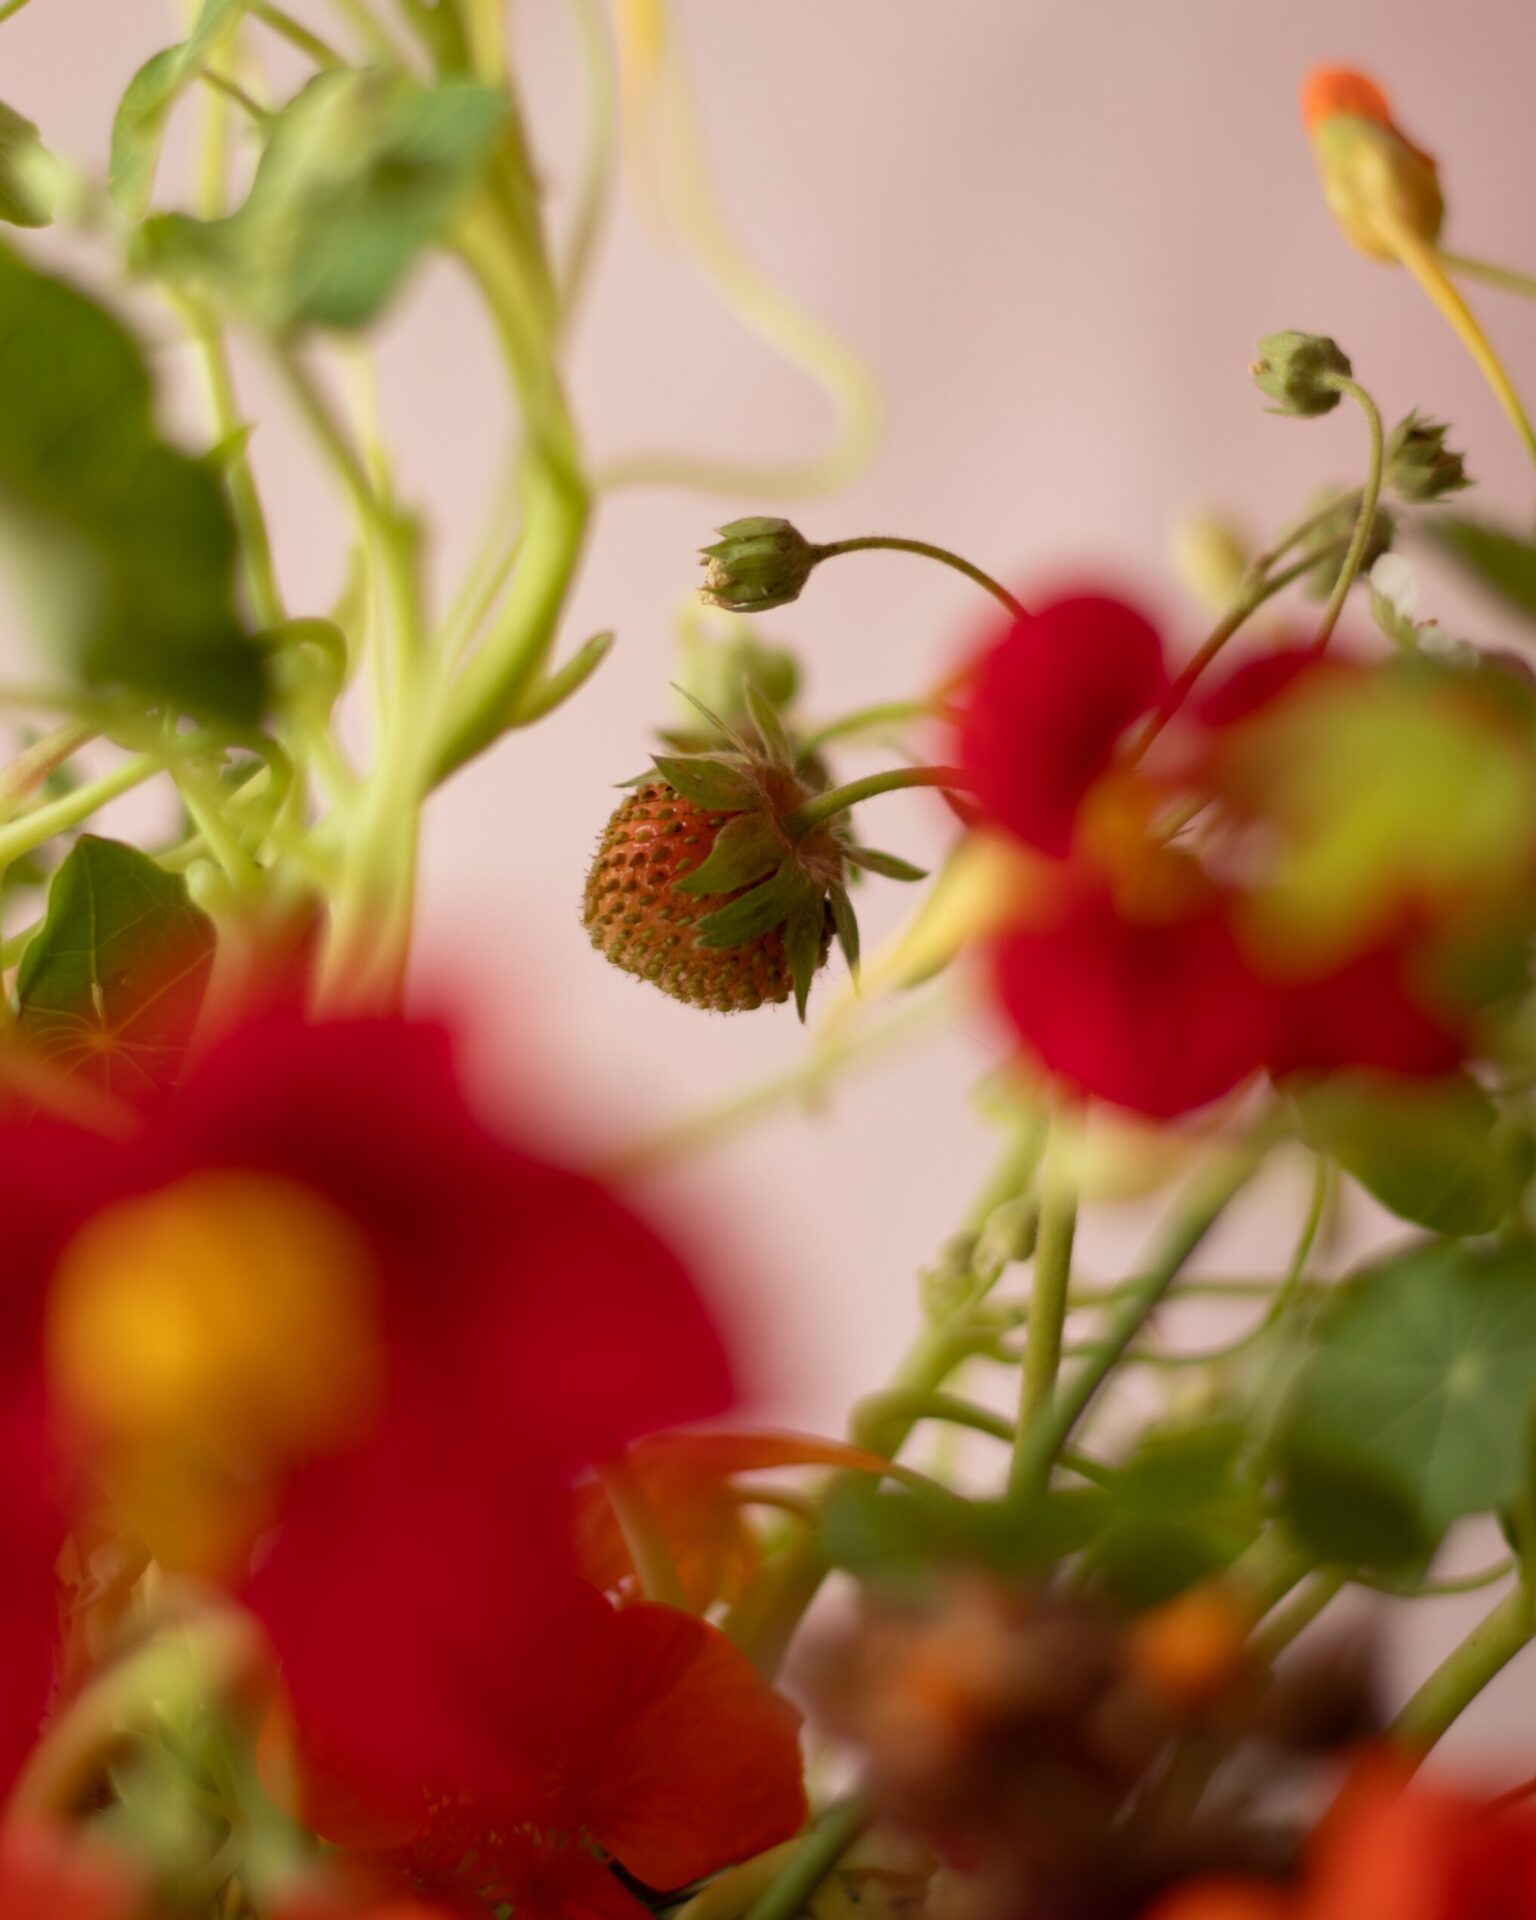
1300	372
757	563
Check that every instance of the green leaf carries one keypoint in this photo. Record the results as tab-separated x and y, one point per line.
745	848
362	172
765	907
1414	1407
1502	563
112	984
804	939
770	728
892	1539
846	921
885	864
1434	1152
1182	1506
24	160
139	125
122	547
713	780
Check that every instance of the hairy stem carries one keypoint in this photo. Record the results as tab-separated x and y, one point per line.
890	543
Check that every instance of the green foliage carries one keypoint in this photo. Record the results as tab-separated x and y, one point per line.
1413	784
23	198
1181	1507
1501	563
139	126
1415	1405
113	982
122	546
901	1538
1433	1152
746	848
362	172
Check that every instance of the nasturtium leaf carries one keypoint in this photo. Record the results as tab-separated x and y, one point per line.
1410	785
1502	563
112	983
1434	1151
24	195
121	547
1414	1406
901	1538
139	125
1182	1506
361	173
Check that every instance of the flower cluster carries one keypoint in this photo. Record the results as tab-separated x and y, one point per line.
1278	868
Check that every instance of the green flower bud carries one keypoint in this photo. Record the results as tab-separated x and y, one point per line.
756	564
1419	465
1300	373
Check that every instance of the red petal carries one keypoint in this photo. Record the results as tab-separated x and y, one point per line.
47	1874
1364	1015
1158	1017
1047	707
688	1760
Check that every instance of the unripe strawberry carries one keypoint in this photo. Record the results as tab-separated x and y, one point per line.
719	880
654	839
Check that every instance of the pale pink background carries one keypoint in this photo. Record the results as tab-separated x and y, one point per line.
1056	229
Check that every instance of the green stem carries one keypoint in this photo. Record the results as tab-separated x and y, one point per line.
1237	615
320	51
40	825
1288	1622
813	1859
826	806
1049	1299
232	90
643	1534
905	1407
1365	520
1507	278
1049	1432
10	7
890	543
884	713
1488	1576
27	772
239	481
594	191
1465	1671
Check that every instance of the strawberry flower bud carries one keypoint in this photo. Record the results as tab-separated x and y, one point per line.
1420	467
757	563
1300	372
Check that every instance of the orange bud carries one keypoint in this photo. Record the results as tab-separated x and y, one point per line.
1191	1651
1330	90
1382	189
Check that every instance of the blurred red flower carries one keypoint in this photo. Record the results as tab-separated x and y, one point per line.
1416	1853
1201	918
647	1738
48	1873
312	1301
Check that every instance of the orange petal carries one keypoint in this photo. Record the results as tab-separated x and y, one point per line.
1327	91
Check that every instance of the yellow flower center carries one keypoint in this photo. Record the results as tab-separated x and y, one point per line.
204	1338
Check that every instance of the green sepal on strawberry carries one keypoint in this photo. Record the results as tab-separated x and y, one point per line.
709	884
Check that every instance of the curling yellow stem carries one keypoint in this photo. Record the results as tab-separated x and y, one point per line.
1424	263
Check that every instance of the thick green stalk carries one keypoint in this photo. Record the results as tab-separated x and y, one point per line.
826	806
813	1859
1466	1670
1041	1444
1049	1296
